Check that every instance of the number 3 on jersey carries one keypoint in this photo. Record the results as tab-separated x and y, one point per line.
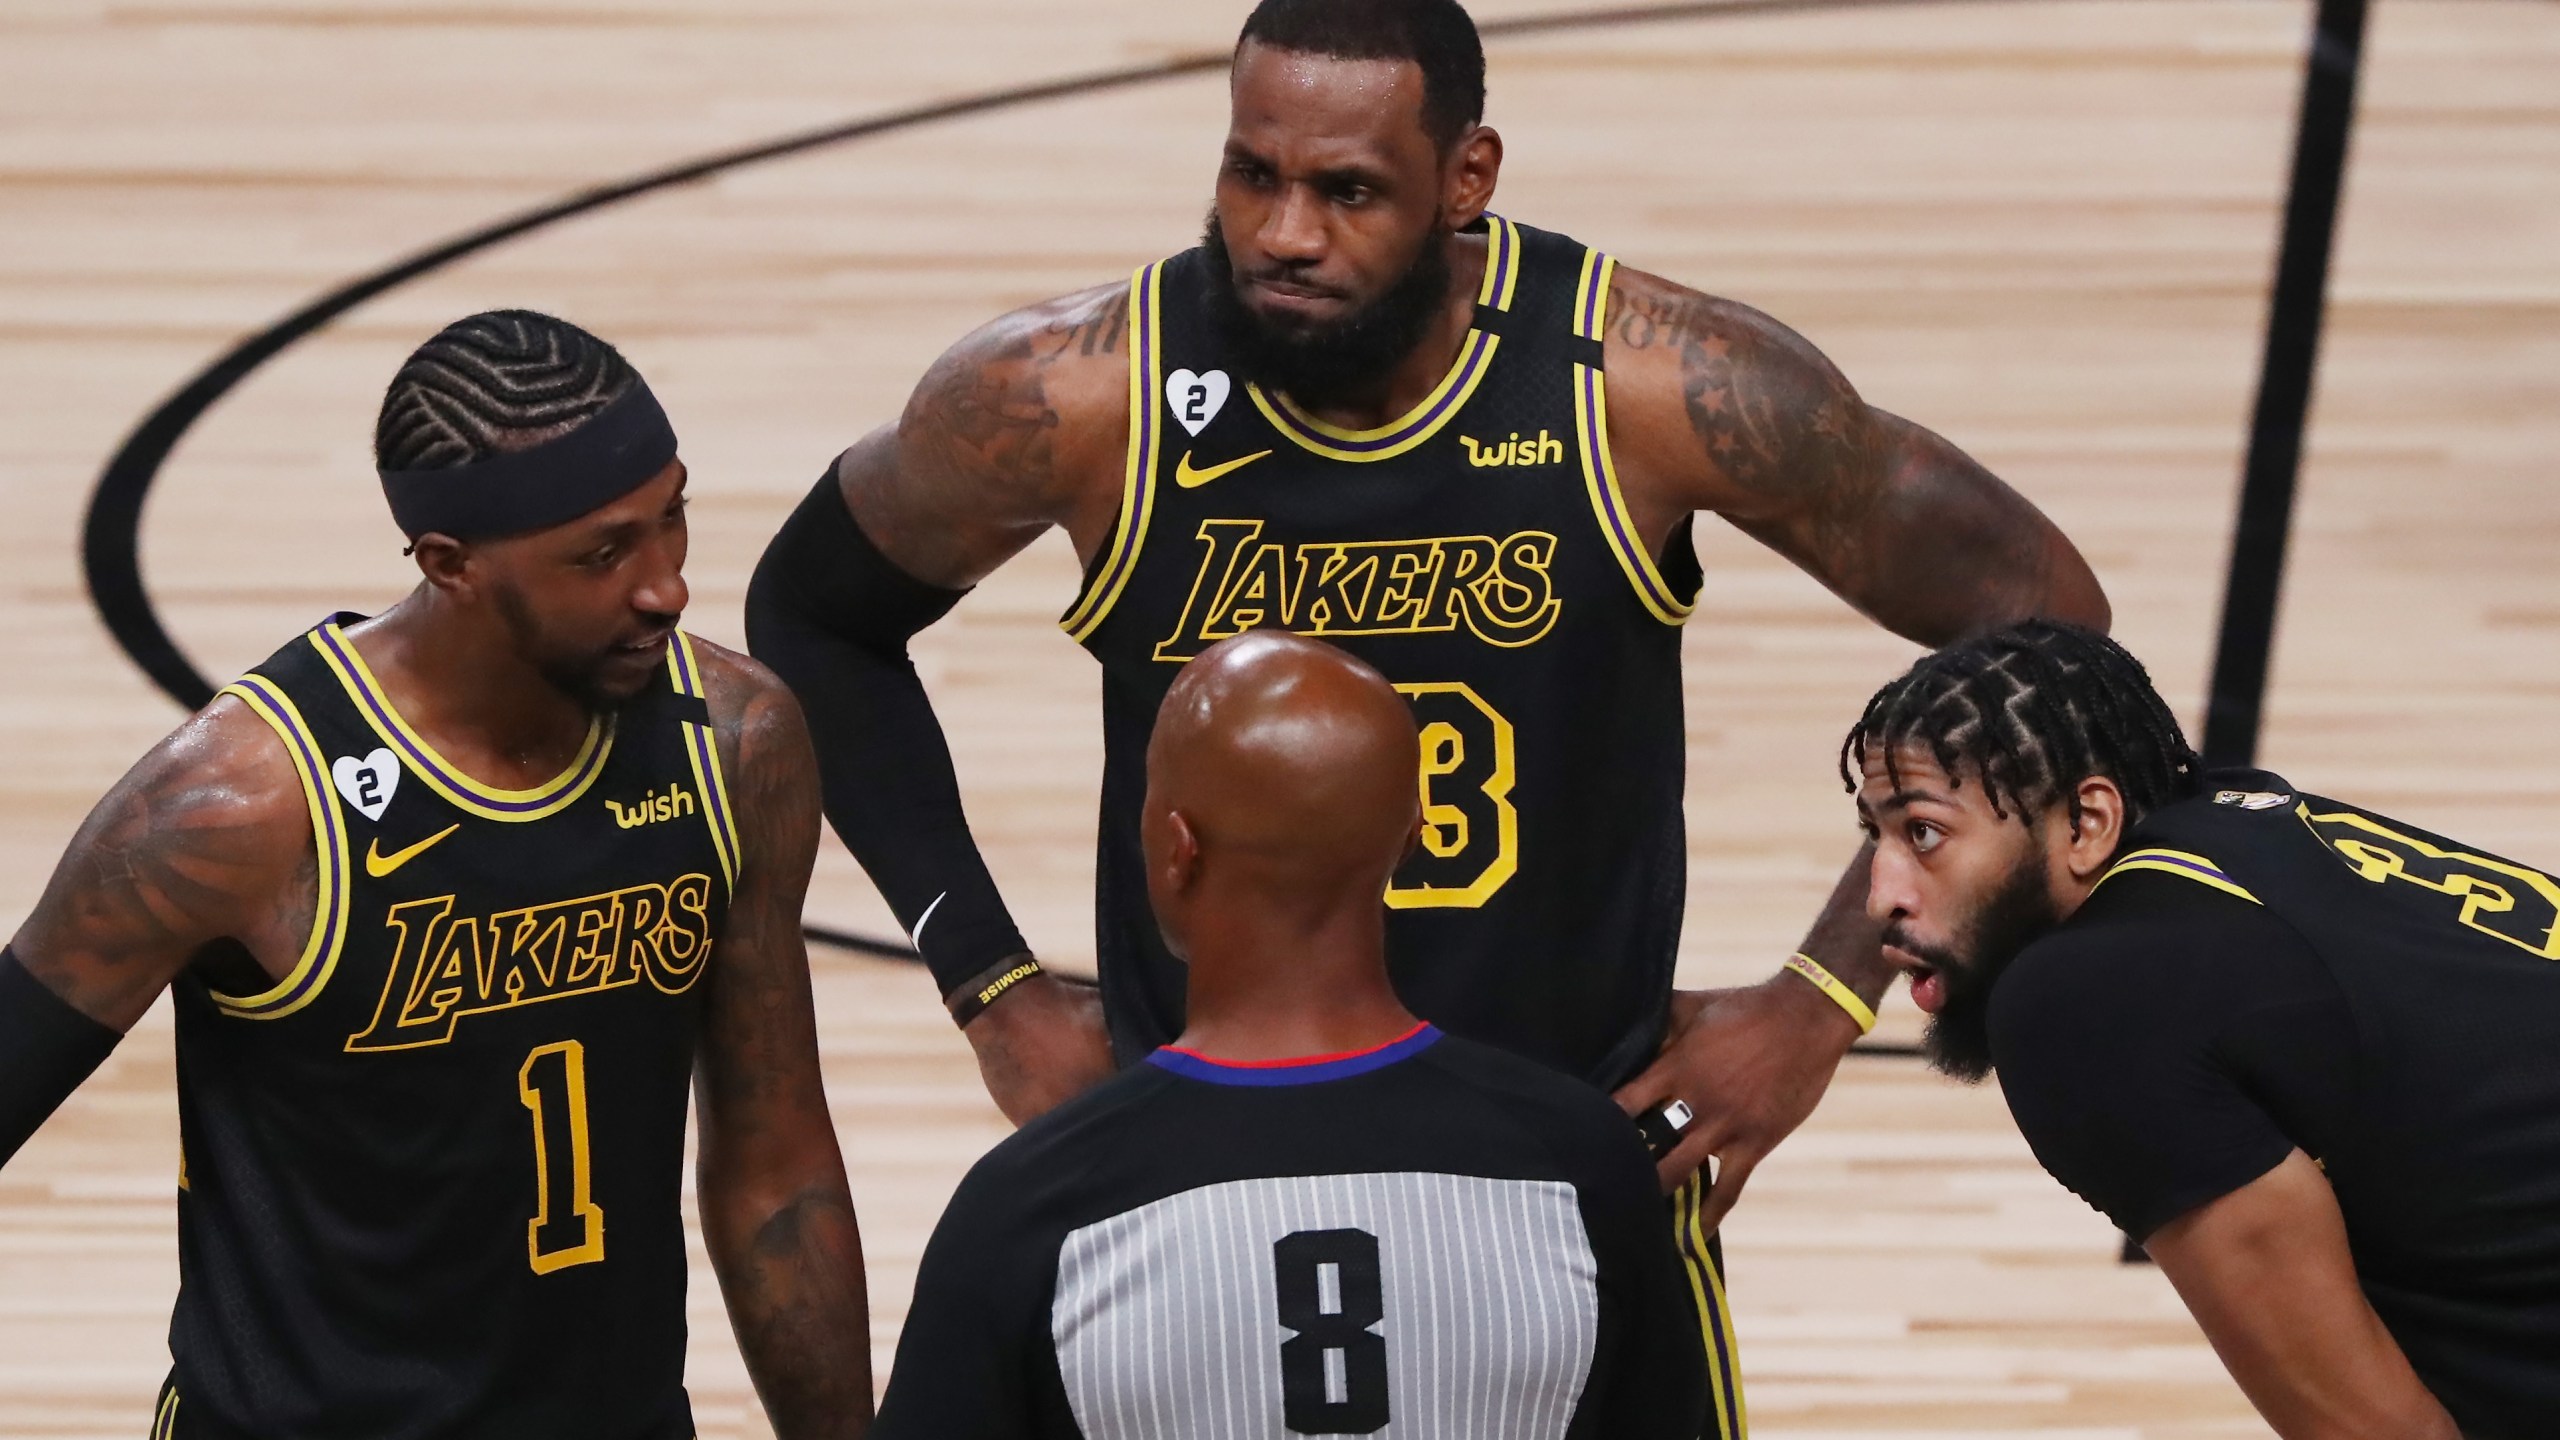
1470	829
567	1227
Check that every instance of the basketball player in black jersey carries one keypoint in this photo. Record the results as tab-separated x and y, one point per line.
455	904
1467	451
2303	1052
1313	1214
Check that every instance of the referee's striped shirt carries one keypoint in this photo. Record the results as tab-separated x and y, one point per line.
1429	1240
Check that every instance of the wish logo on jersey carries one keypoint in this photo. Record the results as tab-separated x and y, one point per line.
675	804
1500	590
444	966
1539	449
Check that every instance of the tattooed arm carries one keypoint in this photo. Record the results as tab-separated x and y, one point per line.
777	1215
1715	406
1020	427
207	838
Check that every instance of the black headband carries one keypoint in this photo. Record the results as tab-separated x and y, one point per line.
618	450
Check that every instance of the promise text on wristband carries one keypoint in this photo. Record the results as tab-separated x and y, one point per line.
1829	984
973	999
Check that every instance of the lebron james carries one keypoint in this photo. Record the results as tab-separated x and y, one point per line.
1368	408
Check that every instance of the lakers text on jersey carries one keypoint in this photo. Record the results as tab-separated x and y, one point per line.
1477	552
432	1176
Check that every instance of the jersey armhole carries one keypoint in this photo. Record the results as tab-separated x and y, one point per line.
319	959
702	751
1599	469
1119	559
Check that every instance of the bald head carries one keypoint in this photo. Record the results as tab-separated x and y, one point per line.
1286	769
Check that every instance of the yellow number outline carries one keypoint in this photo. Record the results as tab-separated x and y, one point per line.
1496	788
2381	864
573	1065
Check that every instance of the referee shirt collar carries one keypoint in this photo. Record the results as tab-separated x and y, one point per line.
1300	1070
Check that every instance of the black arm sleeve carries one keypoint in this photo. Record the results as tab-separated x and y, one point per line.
2169	1046
1649	1370
46	1049
832	616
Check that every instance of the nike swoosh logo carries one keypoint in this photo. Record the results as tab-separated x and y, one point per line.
915	937
1191	479
377	864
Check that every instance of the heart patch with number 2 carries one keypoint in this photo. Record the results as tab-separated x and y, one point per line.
1196	399
367	783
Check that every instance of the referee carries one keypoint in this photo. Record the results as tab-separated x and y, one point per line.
2303	1052
1313	1214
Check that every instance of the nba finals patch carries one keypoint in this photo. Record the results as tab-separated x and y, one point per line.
2251	799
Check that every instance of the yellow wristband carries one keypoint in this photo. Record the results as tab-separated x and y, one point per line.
1829	984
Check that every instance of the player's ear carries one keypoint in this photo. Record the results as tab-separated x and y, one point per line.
2101	829
1181	859
1475	163
445	561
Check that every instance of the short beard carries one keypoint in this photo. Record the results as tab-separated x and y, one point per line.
1322	364
581	678
1958	1042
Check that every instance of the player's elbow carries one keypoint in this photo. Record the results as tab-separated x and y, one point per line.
791	595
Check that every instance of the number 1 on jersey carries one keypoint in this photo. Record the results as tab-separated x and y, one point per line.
553	1085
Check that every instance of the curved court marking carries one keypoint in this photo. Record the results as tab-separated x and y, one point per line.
111	536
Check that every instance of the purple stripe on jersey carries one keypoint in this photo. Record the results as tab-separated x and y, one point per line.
2209	872
390	727
330	842
1478	343
1608	492
1125	555
1314	1070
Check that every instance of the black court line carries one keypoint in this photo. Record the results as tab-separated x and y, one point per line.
2235	701
111	536
111	533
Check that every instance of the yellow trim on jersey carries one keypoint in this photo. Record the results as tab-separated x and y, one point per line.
1728	1418
1590	320
443	776
164	1425
2182	863
1599	467
1450	396
1501	284
1501	263
2387	854
1146	443
702	752
319	959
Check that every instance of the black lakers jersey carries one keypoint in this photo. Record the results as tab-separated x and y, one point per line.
1477	553
2264	970
431	1178
1430	1239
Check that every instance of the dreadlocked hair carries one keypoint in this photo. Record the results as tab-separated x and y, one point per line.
500	381
2031	711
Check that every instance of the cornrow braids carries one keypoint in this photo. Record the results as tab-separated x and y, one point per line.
2031	711
492	383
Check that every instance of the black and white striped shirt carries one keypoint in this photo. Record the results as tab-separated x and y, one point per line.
1428	1241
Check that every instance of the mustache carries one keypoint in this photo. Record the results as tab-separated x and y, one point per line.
1289	273
1935	956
